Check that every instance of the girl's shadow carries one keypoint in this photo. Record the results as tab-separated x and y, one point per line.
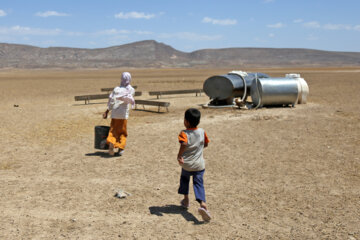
174	209
101	154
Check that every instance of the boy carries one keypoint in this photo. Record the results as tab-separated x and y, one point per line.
190	157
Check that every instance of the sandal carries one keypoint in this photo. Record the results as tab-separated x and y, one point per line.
186	206
205	214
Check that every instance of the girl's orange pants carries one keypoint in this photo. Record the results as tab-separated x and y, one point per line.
118	133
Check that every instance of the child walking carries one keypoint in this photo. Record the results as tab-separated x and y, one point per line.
190	157
119	101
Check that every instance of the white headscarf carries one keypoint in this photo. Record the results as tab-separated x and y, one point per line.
125	79
124	92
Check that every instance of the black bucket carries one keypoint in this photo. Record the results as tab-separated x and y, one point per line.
101	133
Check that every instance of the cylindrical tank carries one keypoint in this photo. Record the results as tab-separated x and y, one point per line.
274	91
302	87
229	86
101	133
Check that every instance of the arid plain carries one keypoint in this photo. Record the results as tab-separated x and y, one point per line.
271	173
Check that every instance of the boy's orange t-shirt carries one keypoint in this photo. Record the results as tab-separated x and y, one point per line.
183	137
194	140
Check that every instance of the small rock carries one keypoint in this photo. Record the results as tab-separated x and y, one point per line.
122	194
351	238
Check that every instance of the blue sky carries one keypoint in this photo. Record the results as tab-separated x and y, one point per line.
186	25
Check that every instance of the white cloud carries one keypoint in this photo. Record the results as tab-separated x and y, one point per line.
191	36
269	1
136	15
219	21
74	34
276	25
312	24
143	32
298	20
114	32
28	31
2	13
271	35
330	26
337	27
19	30
51	14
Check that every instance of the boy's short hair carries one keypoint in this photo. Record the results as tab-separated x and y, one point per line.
192	115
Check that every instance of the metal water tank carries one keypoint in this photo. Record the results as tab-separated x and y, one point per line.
230	85
274	91
302	87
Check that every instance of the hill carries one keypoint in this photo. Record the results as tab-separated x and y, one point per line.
152	54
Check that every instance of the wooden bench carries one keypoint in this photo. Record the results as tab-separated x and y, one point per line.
87	98
152	103
110	89
160	93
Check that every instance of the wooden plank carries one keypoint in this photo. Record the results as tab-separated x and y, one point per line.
87	98
176	92
152	103
159	93
110	89
93	96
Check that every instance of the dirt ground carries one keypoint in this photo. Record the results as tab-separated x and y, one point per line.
271	173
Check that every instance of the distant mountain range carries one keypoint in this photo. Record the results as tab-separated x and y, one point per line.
152	54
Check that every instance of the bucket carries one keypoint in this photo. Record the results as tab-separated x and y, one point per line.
101	133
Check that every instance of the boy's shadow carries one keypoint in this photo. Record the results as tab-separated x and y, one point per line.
174	209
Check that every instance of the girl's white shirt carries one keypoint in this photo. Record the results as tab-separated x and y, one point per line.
120	109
